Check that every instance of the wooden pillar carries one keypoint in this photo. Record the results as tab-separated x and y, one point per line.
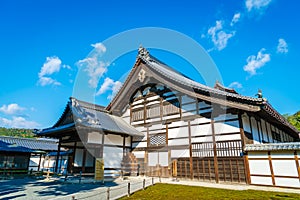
215	151
73	156
124	140
40	160
57	156
297	163
83	160
271	168
190	150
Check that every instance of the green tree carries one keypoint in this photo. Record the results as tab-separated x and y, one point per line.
294	119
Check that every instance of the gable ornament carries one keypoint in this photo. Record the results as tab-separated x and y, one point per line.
142	75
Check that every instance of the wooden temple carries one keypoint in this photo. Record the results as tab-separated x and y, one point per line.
161	123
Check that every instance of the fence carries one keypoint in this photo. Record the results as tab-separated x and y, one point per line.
116	192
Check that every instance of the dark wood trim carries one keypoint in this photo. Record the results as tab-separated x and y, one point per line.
247	169
215	151
297	163
258	131
267	132
272	158
73	155
167	134
241	130
250	123
275	176
83	160
57	157
271	168
40	160
190	151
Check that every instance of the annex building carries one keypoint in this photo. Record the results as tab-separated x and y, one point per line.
161	123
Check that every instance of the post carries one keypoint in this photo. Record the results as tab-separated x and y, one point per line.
80	174
107	193
144	183
128	193
57	156
152	180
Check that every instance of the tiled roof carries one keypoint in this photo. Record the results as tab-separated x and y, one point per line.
273	146
7	147
93	116
31	143
86	114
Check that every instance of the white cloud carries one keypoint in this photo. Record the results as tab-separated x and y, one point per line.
18	122
94	68
11	109
235	19
235	85
256	62
43	81
109	84
257	4
99	47
282	46
52	65
218	36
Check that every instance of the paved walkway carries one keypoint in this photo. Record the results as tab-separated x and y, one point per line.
88	189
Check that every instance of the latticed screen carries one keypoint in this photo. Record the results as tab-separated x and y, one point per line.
157	140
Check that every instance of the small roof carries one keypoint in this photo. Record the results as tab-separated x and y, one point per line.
273	146
91	116
34	144
7	147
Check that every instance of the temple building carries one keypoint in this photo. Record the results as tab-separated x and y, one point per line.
162	123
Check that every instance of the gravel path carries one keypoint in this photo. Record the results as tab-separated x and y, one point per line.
31	189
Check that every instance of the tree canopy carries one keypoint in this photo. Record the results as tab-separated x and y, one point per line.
294	119
16	132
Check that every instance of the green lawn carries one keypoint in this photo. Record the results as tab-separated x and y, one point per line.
170	191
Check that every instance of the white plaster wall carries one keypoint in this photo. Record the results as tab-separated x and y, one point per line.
78	157
200	120
112	157
287	182
175	142
177	123
152	158
94	138
180	153
113	139
284	167
261	180
228	137
139	144
261	167
225	128
178	132
202	139
139	154
257	155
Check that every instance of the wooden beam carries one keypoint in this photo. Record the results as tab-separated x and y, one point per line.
297	163
271	168
190	150
57	156
215	151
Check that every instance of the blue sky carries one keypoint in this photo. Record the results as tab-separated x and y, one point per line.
254	44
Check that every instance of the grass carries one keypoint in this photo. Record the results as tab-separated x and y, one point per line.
170	191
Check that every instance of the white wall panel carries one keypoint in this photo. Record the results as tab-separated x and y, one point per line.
261	180
139	144
225	128
94	138
228	137
257	155
287	182
112	157
200	120
89	159
175	142
202	139
113	139
177	123
182	153
163	159
178	132
261	167
139	154
152	158
284	167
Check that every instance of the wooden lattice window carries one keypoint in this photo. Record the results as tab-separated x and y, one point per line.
158	139
202	150
137	115
276	136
